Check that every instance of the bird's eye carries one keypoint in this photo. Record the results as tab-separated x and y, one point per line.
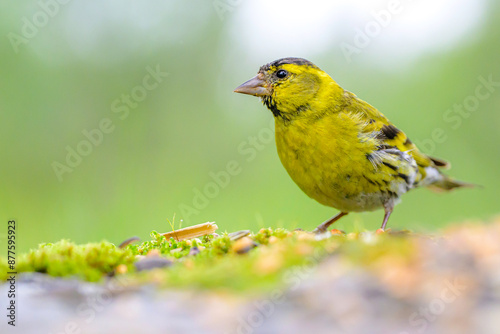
281	74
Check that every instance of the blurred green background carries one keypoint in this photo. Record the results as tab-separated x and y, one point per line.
64	68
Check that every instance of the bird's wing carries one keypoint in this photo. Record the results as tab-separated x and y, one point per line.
389	136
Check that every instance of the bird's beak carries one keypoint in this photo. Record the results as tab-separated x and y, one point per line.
255	86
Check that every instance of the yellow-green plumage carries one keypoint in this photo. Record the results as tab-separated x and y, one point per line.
337	148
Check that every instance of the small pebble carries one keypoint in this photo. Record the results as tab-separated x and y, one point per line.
238	235
128	242
149	263
243	245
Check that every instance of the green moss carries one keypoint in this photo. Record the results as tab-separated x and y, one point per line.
213	262
89	262
219	266
264	234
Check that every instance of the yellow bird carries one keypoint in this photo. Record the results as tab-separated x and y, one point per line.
338	149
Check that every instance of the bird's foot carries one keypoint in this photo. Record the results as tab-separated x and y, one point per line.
319	230
385	231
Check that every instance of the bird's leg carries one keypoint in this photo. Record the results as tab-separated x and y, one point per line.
388	212
323	227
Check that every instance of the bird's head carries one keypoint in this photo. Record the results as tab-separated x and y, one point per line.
290	86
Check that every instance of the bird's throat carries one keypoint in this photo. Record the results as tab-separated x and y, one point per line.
271	105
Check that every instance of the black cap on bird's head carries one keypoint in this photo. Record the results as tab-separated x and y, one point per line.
289	60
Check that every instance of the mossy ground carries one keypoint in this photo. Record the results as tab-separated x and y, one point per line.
269	282
258	261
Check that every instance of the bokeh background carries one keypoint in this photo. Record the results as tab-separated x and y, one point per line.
63	72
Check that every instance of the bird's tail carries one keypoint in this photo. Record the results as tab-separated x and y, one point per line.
446	183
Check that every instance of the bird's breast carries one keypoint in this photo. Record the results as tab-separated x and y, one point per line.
328	162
